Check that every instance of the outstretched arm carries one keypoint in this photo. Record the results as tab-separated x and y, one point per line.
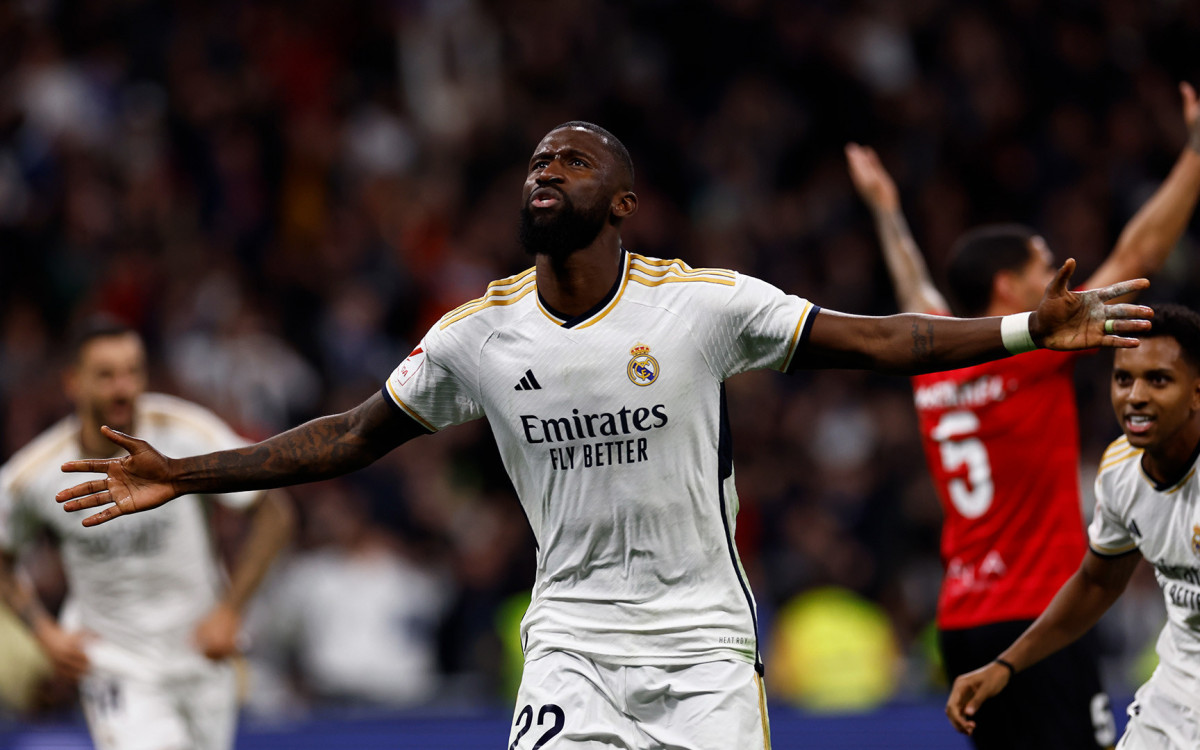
908	344
1076	607
63	649
272	523
1155	229
906	266
320	449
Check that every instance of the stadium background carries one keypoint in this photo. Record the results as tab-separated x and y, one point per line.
282	196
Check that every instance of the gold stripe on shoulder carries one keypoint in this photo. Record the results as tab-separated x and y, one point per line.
1120	444
493	289
662	267
29	463
488	301
1108	462
680	280
408	409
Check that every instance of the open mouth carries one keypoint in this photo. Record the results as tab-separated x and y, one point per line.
545	197
1138	424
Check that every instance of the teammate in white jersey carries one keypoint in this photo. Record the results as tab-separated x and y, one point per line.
600	372
149	623
1147	506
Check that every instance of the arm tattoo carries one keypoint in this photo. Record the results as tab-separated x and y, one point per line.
922	348
323	448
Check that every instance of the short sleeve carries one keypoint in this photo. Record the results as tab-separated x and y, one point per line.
1107	534
431	384
758	326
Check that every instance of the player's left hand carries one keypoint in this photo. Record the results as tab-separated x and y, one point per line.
1068	321
217	634
969	692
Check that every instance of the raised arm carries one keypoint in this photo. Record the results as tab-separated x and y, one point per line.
1155	229
1076	607
906	266
272	522
323	448
910	343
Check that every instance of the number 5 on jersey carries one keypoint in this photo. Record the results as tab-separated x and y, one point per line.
955	434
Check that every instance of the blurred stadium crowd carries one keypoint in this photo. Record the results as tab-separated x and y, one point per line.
283	196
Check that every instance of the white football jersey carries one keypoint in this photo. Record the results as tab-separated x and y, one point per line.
140	583
1163	523
612	427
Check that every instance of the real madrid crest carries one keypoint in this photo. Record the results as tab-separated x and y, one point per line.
1196	539
643	369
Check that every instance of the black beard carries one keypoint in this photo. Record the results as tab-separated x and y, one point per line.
558	235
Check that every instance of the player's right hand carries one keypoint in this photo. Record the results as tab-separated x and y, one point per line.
137	482
871	180
970	691
64	650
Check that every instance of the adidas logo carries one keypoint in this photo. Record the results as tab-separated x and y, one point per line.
528	383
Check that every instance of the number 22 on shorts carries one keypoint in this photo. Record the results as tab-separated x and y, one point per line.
525	721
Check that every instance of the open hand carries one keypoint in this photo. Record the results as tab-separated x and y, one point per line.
137	482
871	180
1068	321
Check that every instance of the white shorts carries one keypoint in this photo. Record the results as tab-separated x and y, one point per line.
1157	722
568	701
196	713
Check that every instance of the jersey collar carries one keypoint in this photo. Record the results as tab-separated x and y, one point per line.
1172	484
599	310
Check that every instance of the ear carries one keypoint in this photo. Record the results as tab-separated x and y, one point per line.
70	382
1004	288
624	205
1196	392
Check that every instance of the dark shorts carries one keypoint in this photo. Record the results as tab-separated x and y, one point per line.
1056	704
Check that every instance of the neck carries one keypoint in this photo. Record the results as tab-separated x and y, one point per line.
1169	463
93	443
574	284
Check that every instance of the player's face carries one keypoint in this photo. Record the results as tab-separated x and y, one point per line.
108	379
1036	274
1155	393
569	192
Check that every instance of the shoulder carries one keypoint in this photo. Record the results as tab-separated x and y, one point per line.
1118	479
41	457
659	272
503	299
159	411
1118	458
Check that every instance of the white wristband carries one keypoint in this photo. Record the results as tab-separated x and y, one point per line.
1014	332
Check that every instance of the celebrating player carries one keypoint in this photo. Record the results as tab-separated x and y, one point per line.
1147	505
1008	484
601	374
149	625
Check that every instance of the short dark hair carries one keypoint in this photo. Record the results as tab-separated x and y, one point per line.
1180	323
614	145
978	256
99	326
